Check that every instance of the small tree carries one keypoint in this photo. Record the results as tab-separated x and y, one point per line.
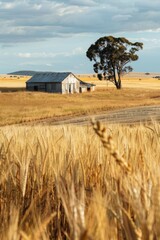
111	55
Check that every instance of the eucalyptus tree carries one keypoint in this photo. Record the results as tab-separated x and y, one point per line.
111	56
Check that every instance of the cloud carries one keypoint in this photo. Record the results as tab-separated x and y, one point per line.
24	55
7	5
33	21
54	35
121	17
47	55
81	3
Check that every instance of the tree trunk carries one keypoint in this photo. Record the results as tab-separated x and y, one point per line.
116	82
119	83
115	79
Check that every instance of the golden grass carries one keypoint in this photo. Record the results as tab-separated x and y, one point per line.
132	80
70	183
12	82
27	106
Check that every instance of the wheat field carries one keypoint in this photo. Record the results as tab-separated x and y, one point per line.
67	182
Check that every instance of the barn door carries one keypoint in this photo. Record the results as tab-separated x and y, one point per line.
35	88
70	88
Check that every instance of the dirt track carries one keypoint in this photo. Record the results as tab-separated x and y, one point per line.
126	116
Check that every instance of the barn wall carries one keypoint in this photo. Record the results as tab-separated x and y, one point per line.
53	87
44	87
70	84
83	89
36	87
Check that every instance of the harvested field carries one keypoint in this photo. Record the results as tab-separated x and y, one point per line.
126	116
22	107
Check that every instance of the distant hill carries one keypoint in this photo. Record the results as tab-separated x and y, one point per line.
23	73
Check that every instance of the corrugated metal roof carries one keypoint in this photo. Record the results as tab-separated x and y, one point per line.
49	77
85	84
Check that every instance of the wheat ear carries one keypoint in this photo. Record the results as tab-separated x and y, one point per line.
108	143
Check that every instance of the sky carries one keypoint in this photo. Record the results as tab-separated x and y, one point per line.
46	35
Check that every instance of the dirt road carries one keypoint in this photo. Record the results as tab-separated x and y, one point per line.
126	116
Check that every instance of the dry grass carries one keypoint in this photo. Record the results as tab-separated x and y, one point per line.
74	183
12	82
131	80
26	106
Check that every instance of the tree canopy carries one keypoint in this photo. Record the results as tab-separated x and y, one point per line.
111	56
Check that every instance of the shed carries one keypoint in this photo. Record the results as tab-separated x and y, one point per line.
54	82
86	87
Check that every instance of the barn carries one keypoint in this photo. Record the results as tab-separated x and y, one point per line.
57	82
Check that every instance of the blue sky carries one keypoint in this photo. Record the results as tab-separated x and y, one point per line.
51	35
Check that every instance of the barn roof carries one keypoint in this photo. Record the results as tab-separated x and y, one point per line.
49	77
86	84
